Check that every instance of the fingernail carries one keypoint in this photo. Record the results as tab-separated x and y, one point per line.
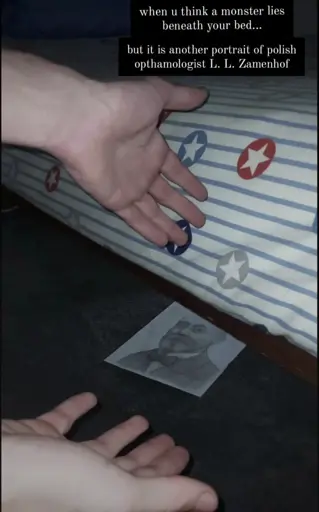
207	503
207	91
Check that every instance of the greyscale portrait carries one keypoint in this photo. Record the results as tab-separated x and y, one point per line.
180	349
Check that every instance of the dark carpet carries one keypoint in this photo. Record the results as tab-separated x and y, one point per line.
66	307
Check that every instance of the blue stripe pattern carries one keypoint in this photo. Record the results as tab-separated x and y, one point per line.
66	198
264	119
207	272
262	107
276	230
237	151
244	133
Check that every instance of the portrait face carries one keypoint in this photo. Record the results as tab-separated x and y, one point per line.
185	338
180	349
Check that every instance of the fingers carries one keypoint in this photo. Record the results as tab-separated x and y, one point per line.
74	478
176	97
164	115
152	223
66	414
154	458
174	494
164	194
176	172
153	211
144	225
146	453
171	463
117	438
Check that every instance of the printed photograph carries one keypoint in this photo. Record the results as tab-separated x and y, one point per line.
180	349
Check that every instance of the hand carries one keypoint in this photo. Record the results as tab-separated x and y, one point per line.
40	467
107	137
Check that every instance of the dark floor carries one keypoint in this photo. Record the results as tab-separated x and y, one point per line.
65	308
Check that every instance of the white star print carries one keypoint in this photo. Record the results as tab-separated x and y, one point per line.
53	178
255	157
192	148
231	269
175	247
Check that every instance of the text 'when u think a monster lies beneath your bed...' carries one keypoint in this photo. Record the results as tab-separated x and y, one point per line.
168	38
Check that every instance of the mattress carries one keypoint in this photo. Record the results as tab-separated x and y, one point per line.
254	146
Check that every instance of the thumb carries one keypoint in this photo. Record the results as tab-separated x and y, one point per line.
178	97
174	494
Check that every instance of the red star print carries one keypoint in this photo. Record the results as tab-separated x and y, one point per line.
256	158
52	179
164	115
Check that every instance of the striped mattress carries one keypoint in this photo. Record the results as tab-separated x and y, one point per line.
254	146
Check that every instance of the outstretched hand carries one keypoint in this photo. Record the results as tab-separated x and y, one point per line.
39	466
108	138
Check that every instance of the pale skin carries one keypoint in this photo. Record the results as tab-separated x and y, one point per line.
106	136
44	472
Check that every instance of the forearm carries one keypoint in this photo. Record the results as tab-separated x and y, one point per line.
35	93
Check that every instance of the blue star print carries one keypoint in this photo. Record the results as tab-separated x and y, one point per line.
176	250
192	148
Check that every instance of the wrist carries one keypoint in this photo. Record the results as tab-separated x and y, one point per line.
36	94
